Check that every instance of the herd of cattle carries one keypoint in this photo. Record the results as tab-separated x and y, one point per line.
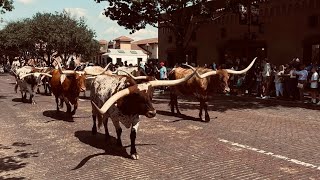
122	98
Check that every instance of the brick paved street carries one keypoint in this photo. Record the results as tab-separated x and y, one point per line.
246	139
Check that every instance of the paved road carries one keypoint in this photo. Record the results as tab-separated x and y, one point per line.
248	139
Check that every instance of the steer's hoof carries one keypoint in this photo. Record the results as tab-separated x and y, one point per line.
73	112
135	156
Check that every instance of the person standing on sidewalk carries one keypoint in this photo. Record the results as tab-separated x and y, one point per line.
163	74
266	75
302	80
278	80
314	85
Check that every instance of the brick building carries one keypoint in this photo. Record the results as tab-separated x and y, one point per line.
285	29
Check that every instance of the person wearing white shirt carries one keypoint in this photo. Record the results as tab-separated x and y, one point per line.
266	75
278	80
302	80
314	85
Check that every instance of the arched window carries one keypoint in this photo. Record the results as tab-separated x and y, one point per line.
297	6
311	3
272	11
277	9
290	9
266	13
283	9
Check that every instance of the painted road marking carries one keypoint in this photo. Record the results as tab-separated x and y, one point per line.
295	161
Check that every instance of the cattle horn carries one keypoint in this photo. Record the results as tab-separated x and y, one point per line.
133	77
203	75
64	71
25	75
104	70
138	87
230	71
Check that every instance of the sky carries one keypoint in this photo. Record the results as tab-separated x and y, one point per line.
104	27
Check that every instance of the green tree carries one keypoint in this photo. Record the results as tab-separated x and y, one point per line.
6	5
181	17
46	36
60	35
15	39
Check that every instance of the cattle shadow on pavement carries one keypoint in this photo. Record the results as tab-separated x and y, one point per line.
20	102
99	141
221	103
180	116
3	97
58	115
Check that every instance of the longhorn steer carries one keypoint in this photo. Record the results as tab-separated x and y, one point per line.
44	79
131	100
27	81
210	81
94	70
66	85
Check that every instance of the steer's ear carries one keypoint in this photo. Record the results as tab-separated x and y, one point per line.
62	78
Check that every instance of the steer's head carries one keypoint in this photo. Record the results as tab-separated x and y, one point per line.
138	102
81	81
220	78
136	99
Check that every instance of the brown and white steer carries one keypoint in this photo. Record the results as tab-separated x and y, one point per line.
27	81
123	100
66	85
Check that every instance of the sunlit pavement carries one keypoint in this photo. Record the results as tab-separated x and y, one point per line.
247	138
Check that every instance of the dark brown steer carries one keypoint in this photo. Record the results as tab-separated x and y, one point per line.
199	87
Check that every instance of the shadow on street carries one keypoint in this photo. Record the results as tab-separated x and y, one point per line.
9	164
99	141
60	116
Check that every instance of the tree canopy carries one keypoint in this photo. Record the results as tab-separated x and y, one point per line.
6	5
181	17
48	35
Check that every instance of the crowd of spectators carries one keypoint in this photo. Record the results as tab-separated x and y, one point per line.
291	81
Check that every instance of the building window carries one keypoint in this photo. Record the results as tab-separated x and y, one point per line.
311	3
277	9
313	21
272	11
284	9
223	33
170	39
261	12
194	36
318	4
297	6
290	9
266	13
133	52
261	28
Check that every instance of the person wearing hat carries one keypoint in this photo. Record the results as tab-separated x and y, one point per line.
163	73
